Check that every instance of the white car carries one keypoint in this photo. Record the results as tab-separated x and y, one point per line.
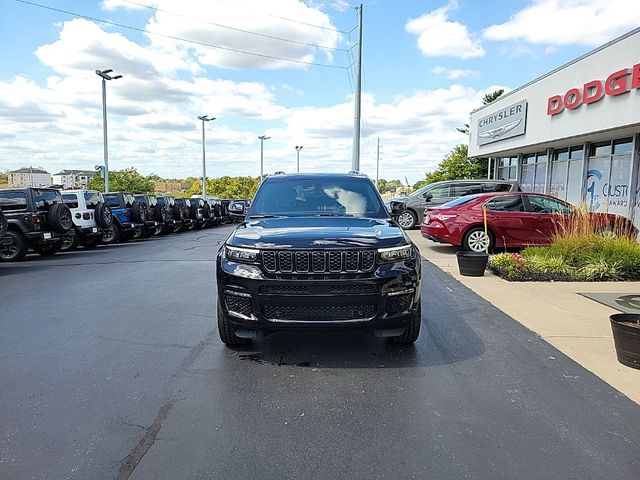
91	215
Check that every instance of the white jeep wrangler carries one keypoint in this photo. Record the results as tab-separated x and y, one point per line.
90	216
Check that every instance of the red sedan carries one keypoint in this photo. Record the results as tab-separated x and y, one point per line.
514	219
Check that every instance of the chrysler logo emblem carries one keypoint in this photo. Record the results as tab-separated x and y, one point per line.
499	131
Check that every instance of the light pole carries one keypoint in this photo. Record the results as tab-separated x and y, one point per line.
262	139
105	76
298	148
204	118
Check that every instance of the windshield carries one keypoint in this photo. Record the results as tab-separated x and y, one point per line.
355	197
458	201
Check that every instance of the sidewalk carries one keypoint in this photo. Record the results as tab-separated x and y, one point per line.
575	325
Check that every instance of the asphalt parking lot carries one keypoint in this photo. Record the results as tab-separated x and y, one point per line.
111	367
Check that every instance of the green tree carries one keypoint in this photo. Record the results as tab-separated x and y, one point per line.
4	177
127	180
227	187
385	186
456	165
486	100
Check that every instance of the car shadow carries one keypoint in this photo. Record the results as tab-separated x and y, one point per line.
446	337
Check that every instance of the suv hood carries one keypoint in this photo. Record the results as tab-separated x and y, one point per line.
318	232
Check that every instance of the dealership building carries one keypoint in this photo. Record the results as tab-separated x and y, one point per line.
573	133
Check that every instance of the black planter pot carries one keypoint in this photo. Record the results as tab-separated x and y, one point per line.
472	264
627	338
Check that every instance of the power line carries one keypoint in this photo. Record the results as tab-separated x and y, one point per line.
273	37
291	19
180	39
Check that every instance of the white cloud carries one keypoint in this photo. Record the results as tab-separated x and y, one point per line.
204	22
453	73
440	37
153	108
568	22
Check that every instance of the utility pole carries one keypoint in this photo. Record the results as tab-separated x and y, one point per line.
262	139
355	157
204	118
298	148
378	163
105	76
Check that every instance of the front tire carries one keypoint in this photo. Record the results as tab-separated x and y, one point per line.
475	240
227	332
412	332
408	220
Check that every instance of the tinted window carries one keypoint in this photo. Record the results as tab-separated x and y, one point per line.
161	201
440	191
112	200
10	201
547	205
45	198
461	189
598	149
71	199
496	187
318	196
507	203
92	199
141	199
623	146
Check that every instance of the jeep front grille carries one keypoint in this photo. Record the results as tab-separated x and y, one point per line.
318	261
318	313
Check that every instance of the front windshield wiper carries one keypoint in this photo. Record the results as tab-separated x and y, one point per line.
333	215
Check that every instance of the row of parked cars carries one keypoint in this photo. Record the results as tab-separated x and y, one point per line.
47	220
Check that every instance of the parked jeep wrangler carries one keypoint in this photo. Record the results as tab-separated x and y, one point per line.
37	218
90	216
211	210
181	212
151	224
165	211
127	215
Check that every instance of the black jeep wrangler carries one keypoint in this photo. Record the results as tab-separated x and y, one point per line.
318	251
37	218
182	215
165	210
153	212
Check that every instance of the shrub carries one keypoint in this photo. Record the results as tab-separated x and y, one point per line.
509	265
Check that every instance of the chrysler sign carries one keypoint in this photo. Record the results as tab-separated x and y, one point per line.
508	122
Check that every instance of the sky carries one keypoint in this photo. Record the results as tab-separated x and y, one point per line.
280	68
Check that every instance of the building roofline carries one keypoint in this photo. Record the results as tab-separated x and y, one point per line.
562	67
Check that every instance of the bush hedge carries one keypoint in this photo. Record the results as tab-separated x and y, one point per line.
571	258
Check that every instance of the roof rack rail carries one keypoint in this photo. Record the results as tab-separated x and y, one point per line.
279	173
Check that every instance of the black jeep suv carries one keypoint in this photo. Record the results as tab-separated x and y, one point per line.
318	251
37	218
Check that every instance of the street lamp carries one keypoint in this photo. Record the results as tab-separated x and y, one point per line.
204	118
298	148
105	76
262	139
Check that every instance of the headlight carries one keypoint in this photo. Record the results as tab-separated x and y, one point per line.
394	254
246	255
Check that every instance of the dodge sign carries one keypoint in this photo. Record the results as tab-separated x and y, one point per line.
508	122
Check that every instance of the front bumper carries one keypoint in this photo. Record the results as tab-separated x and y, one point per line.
382	301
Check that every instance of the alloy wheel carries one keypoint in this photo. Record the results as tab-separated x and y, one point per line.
405	220
478	241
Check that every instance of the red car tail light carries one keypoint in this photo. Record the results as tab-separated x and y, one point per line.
444	218
36	219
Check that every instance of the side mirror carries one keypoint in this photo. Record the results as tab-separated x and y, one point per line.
427	196
397	208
